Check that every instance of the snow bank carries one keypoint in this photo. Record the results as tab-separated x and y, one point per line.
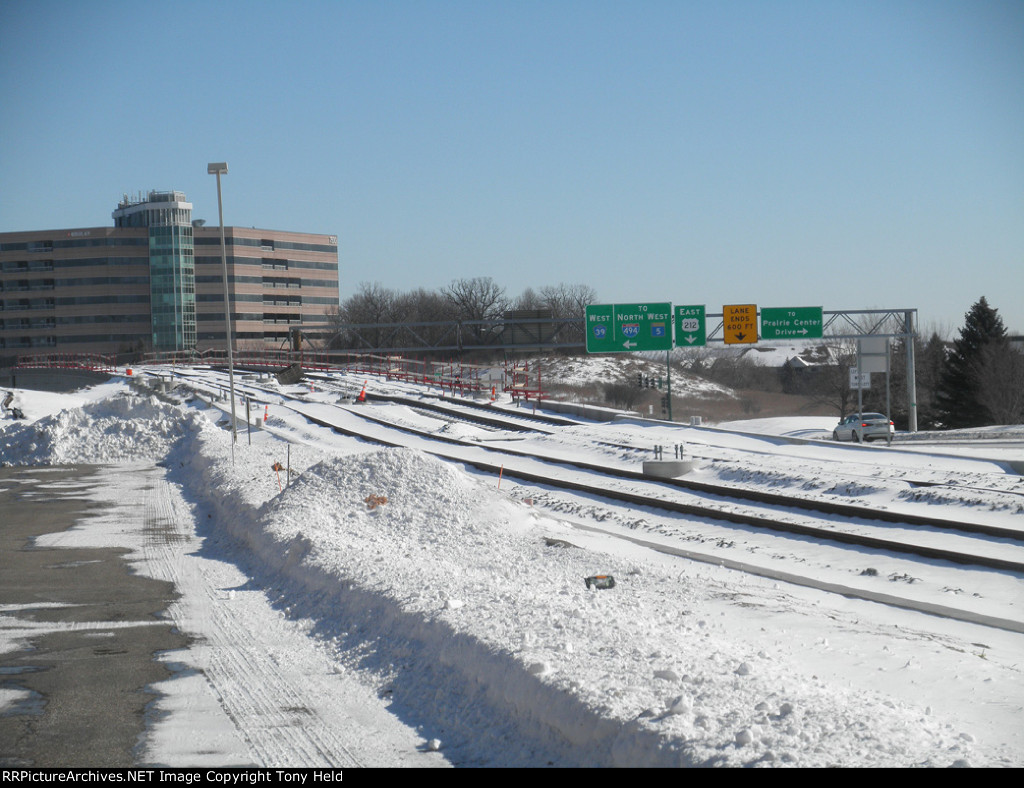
123	428
469	610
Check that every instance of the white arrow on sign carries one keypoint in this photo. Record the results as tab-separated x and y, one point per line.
690	338
627	344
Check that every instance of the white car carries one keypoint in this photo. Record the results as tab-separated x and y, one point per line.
861	427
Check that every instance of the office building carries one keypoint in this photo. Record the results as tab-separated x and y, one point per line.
154	282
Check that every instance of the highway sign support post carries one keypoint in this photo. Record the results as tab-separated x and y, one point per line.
668	379
627	328
872	356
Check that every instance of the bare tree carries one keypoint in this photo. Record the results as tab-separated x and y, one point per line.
423	306
569	302
740	371
1000	374
697	360
831	385
371	305
477	299
622	395
828	382
428	317
395	319
529	300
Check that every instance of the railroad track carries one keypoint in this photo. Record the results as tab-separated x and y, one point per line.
714	509
727	492
497	418
730	506
758	509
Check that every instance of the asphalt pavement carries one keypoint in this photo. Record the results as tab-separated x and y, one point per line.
86	629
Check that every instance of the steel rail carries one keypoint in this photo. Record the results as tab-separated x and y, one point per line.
738	518
709	488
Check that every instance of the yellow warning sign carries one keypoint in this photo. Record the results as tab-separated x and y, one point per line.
739	324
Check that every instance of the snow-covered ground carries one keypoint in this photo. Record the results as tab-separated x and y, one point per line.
585	371
418	613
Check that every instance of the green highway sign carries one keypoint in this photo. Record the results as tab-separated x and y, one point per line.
691	326
623	328
800	322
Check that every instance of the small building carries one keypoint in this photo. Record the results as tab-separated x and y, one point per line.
155	282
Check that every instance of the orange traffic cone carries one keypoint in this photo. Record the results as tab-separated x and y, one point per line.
362	394
266	412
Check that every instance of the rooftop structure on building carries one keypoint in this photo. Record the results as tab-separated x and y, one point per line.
157	209
154	282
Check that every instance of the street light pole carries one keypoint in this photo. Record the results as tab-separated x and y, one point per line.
217	168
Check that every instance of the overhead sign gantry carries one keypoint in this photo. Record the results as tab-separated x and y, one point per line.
623	328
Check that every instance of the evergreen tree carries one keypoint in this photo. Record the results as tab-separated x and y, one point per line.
931	362
961	393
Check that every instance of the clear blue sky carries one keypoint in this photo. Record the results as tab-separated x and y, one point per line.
850	154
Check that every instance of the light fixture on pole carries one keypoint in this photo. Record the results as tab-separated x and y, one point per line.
217	168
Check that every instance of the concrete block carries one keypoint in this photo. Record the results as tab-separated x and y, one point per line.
668	469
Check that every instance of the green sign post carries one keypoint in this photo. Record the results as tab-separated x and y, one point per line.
691	326
800	322
624	328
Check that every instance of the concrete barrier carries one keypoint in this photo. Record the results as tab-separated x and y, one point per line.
592	412
668	469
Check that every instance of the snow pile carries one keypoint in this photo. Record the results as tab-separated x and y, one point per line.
444	591
467	609
805	427
999	432
991	501
124	428
854	488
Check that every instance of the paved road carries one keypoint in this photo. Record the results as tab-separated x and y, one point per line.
85	627
88	639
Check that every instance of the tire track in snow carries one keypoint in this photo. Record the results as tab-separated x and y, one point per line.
280	693
254	691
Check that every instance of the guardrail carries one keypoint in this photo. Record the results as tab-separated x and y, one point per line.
521	379
93	362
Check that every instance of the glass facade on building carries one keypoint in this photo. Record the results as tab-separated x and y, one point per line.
172	288
172	272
